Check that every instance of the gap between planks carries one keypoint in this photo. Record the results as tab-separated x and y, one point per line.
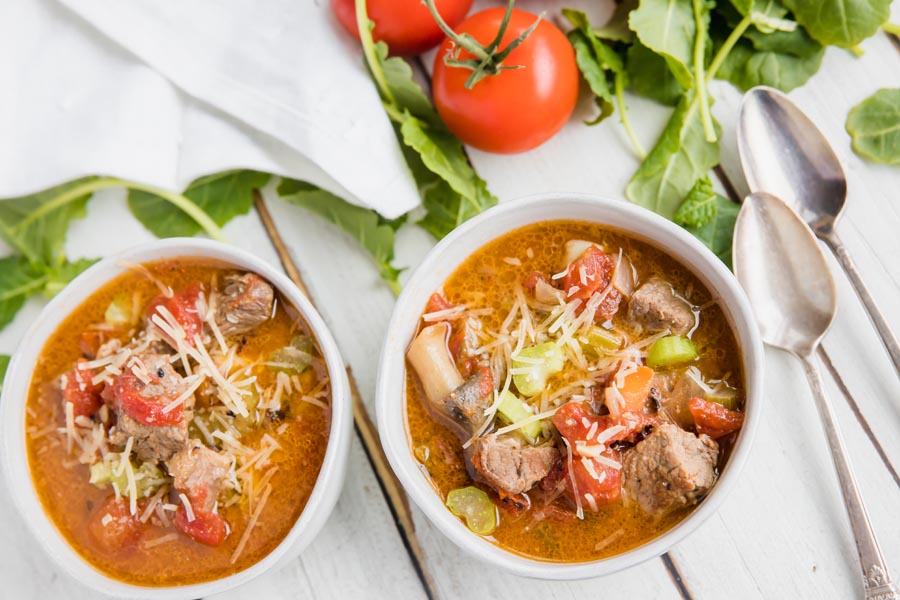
390	487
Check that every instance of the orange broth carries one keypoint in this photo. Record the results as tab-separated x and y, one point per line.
69	499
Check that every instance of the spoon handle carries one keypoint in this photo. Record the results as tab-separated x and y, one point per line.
876	578
887	336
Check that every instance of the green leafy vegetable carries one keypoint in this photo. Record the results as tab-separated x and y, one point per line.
148	478
843	23
36	225
650	76
874	125
59	275
667	27
718	231
4	363
680	157
221	197
699	207
451	191
616	29
596	60
18	280
371	230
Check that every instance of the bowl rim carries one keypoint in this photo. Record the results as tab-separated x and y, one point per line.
490	225
15	462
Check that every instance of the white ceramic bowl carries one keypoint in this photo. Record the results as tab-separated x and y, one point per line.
443	260
15	392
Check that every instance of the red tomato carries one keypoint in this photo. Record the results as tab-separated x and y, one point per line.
713	419
206	528
122	529
517	109
597	267
84	395
145	410
406	26
436	303
183	306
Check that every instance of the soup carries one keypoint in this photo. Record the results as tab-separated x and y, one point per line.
176	423
572	392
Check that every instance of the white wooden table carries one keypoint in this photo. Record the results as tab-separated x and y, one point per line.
782	532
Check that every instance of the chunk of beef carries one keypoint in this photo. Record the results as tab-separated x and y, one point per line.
654	306
152	443
510	466
245	303
200	472
670	468
139	398
467	403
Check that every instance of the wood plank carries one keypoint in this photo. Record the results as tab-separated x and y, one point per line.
358	552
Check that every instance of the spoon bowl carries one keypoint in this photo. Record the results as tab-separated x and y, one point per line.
784	153
781	267
785	275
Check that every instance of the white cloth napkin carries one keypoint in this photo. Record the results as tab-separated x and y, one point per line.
164	91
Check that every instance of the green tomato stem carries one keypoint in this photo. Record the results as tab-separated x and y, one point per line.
623	115
702	92
368	46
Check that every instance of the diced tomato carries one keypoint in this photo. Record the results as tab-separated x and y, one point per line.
592	272
183	306
436	303
597	483
121	529
145	410
78	389
713	419
207	527
635	389
602	481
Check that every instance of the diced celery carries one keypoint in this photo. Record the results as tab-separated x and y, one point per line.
147	478
476	507
119	311
601	341
535	365
293	359
671	350
514	410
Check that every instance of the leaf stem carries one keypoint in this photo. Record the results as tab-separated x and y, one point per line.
892	28
182	202
25	289
702	91
730	41
368	46
856	51
86	188
623	115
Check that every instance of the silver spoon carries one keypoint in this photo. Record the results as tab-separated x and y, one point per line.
782	269
783	153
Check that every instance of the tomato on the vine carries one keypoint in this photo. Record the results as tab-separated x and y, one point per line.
515	109
405	26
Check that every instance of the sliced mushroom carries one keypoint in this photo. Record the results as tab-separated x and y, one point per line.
431	359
